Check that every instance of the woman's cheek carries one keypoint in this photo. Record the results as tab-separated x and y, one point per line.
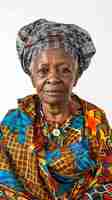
39	88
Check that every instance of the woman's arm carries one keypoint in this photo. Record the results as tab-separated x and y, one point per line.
11	187
99	182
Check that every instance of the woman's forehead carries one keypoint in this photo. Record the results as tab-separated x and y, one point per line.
53	54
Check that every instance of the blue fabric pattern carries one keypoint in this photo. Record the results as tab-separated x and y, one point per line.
50	156
7	178
77	122
81	151
19	121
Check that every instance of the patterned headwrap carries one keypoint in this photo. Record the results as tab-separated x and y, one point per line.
43	34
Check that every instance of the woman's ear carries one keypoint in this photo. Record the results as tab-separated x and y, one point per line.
76	71
31	75
32	80
75	82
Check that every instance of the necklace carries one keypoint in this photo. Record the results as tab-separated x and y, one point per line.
56	136
56	132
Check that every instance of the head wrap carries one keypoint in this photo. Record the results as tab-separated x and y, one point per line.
44	34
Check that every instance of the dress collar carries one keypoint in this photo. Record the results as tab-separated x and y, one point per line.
30	105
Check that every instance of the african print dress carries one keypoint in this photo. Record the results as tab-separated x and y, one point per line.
37	165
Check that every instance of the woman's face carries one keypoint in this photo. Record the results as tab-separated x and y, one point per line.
54	73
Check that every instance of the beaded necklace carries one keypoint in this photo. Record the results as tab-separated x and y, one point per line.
59	132
45	135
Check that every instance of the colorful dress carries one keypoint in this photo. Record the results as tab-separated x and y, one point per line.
76	165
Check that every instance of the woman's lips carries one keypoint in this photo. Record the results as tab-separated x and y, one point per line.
53	92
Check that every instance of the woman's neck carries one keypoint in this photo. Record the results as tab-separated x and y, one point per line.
56	113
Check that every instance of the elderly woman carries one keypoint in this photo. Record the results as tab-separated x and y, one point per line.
55	145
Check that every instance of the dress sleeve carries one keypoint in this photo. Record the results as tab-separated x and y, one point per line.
101	186
104	157
99	182
10	185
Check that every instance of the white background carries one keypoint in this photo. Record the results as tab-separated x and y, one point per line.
93	15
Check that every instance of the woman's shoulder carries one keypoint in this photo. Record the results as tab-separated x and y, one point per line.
25	107
93	112
10	116
88	106
21	116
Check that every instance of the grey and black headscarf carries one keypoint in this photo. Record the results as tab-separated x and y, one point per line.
44	34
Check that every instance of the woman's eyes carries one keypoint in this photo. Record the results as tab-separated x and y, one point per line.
61	69
66	70
42	71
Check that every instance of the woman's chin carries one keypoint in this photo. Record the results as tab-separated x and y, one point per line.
54	99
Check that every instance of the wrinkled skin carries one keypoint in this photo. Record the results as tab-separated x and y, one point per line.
54	74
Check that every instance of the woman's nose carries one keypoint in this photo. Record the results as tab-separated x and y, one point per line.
53	76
